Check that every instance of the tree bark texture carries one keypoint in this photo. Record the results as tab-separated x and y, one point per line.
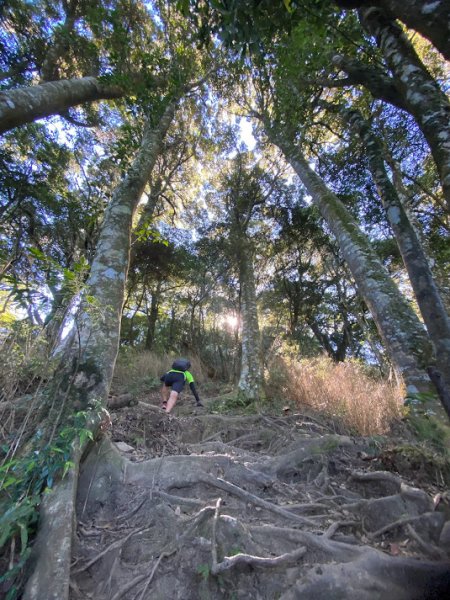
87	376
152	317
374	79
431	18
251	377
415	260
26	104
401	331
99	323
423	97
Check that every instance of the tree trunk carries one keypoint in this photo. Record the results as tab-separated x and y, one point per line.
322	339
171	335
423	98
251	376
402	333
152	318
422	281
430	18
25	104
99	332
88	374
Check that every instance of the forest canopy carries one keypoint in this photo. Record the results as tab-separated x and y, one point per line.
249	183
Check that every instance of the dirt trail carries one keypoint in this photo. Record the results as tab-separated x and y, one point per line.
257	507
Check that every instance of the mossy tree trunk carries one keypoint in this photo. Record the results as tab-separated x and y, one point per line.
402	333
251	376
88	369
425	289
98	325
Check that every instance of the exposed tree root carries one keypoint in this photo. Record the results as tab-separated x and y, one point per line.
229	562
430	549
316	486
115	545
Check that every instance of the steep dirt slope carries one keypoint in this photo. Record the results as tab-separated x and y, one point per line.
252	507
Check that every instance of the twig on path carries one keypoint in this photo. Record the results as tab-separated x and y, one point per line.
237	491
241	438
117	544
229	562
393	525
213	436
214	530
134	510
149	580
257	561
179	499
305	506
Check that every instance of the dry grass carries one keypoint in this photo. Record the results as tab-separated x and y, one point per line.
346	391
138	370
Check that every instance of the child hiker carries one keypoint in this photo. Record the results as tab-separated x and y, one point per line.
175	379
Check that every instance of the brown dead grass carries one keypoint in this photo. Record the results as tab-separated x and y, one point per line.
363	403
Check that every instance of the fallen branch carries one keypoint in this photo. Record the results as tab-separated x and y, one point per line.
237	491
258	561
229	562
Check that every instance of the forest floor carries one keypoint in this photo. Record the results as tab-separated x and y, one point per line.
204	505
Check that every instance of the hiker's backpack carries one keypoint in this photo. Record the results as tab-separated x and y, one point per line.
181	364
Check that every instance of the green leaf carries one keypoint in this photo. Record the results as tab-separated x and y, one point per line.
38	254
23	538
8	482
68	465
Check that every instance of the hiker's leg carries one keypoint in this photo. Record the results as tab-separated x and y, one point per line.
165	390
172	401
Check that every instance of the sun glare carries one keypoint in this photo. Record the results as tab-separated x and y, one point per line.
231	321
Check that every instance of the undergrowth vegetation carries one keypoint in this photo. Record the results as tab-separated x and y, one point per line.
364	402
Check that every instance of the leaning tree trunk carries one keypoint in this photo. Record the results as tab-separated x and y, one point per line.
89	376
99	328
26	104
251	376
402	333
423	98
430	18
416	263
